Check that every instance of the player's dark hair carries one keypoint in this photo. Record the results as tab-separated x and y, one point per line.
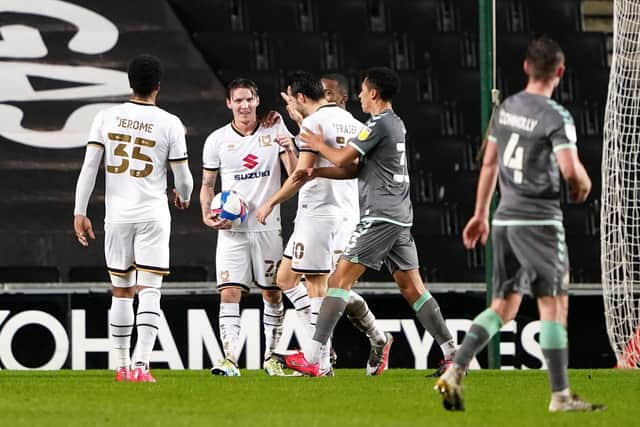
384	80
544	55
341	80
242	83
306	84
145	72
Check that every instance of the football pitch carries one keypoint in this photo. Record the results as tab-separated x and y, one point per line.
400	397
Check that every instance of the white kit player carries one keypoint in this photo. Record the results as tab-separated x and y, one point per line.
137	140
247	155
327	213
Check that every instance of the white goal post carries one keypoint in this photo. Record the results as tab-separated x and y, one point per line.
620	214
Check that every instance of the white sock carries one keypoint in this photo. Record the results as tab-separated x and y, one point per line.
324	352
272	318
229	320
448	349
147	324
120	327
300	300
363	319
313	353
325	356
316	303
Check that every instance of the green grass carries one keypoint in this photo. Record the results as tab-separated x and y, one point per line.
398	398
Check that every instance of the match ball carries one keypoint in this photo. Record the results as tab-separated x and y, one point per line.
228	205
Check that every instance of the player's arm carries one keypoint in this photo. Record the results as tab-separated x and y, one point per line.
288	157
184	183
84	187
574	173
478	226
209	178
300	176
341	157
289	188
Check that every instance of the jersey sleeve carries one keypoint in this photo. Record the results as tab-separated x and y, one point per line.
95	133
211	154
368	137
177	142
309	123
562	130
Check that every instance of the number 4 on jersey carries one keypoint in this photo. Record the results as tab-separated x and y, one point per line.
513	157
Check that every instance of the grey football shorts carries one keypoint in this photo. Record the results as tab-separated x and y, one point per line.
530	259
375	243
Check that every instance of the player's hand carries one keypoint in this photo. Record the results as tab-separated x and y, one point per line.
270	119
177	201
83	228
579	193
313	140
215	222
285	142
291	107
301	176
263	212
476	228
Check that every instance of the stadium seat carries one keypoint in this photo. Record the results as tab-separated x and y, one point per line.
351	16
579	219
555	17
590	152
445	154
305	51
433	15
279	15
512	16
431	220
246	51
203	15
446	259
461	85
584	51
584	258
449	50
456	187
360	53
593	84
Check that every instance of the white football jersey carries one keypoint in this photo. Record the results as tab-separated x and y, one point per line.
138	140
250	166
322	196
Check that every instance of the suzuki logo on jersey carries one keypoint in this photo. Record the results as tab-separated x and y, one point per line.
250	161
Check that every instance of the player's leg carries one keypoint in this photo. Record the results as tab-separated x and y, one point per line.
119	258
317	289
233	273
546	250
266	252
151	252
508	278
289	282
357	310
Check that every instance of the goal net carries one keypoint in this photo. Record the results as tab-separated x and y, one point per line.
620	214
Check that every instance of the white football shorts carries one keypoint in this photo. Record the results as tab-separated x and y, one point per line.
317	243
142	246
248	257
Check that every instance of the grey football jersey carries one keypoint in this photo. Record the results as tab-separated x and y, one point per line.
529	129
383	177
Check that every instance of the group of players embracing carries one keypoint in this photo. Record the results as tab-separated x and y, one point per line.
354	212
